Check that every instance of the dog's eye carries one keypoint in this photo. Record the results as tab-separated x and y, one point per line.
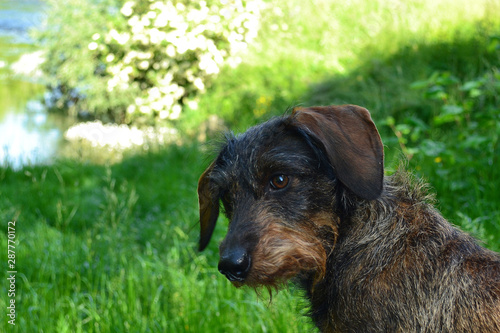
279	182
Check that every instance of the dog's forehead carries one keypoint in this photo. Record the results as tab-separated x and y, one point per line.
271	146
250	146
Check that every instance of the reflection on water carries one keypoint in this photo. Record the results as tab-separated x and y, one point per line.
27	133
25	139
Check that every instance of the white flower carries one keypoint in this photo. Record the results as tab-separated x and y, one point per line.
128	70
163	114
179	91
157	106
124	38
162	20
225	12
168	100
127	8
170	50
112	84
176	111
121	38
167	79
182	46
129	57
145	21
198	83
145	109
154	93
143	65
134	20
123	76
209	66
113	70
144	55
156	35
192	105
131	108
93	46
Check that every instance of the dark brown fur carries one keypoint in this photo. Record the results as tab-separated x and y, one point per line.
307	199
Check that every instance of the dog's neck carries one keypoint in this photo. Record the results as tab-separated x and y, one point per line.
372	227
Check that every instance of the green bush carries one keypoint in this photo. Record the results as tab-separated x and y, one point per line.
465	123
141	61
73	73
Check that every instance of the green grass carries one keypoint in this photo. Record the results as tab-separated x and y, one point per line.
113	248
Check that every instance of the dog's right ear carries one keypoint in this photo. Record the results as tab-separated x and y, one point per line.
209	207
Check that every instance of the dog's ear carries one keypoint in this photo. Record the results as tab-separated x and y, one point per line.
209	207
352	144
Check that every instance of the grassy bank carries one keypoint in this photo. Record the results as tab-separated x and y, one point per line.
112	248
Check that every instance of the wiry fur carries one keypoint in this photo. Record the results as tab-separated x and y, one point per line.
398	266
371	256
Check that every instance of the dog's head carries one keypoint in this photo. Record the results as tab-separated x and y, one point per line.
284	185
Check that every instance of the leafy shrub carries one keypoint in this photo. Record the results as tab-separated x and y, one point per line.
465	124
141	60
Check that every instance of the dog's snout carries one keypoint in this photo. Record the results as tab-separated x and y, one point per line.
235	264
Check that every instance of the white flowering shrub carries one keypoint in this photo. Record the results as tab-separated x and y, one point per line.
152	57
118	137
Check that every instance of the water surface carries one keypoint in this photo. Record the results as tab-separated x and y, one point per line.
28	134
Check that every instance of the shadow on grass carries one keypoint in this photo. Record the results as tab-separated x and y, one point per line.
383	83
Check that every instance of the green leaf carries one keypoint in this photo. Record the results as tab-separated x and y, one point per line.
449	113
474	141
469	85
418	85
432	148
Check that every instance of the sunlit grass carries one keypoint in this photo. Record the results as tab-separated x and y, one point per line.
104	249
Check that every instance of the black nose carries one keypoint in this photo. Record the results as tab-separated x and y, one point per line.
235	264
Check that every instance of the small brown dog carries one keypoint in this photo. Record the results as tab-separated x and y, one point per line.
306	198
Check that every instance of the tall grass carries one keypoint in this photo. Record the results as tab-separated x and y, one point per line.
113	248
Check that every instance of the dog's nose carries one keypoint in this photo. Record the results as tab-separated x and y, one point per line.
235	264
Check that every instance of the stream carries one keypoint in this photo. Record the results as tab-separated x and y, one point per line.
28	133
